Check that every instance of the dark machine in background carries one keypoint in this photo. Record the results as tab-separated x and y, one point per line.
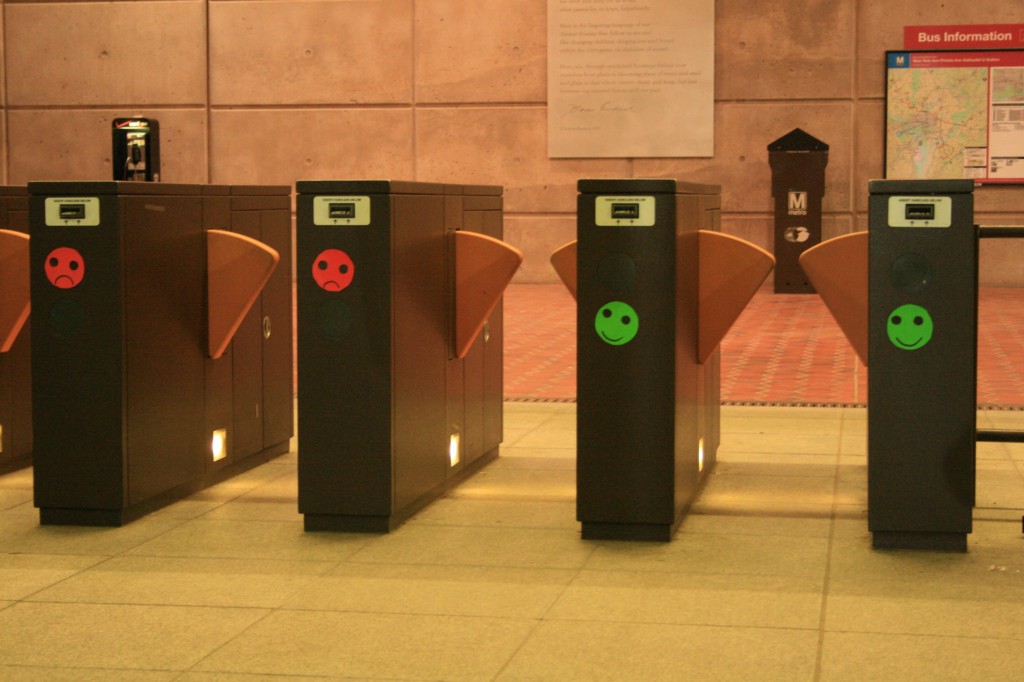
15	333
136	153
391	410
131	409
798	161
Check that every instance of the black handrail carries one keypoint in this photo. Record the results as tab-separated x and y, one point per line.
994	436
1000	231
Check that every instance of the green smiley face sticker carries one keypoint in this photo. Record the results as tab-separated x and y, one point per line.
616	323
909	327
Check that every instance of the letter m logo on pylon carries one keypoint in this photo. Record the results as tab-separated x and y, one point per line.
798	202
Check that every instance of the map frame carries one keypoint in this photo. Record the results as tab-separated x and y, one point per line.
945	117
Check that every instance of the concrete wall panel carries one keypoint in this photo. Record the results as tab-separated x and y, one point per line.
503	146
112	53
296	52
472	51
54	144
278	147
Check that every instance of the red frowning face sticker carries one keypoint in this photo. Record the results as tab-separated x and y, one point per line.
64	267
333	270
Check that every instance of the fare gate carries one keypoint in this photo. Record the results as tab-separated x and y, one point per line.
906	295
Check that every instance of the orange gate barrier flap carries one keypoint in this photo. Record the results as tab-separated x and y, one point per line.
484	266
563	260
237	269
15	303
838	269
731	271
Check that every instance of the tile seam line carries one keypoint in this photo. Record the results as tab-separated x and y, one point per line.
227	557
661	623
227	642
269	106
105	559
544	617
150	604
826	581
5	138
207	134
411	105
414	132
135	106
933	635
414	614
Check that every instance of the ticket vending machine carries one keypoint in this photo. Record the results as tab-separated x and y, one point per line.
922	346
657	287
15	332
161	357
400	381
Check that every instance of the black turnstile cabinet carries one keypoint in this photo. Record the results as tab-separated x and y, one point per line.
125	395
15	364
922	387
647	411
388	416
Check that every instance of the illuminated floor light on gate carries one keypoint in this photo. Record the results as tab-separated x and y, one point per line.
453	450
218	444
700	455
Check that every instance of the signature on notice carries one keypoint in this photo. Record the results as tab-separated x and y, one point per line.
604	108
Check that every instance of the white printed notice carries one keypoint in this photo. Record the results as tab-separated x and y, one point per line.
631	78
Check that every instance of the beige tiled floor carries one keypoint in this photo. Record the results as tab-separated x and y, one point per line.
771	577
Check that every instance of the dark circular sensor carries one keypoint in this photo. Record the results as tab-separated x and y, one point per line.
910	273
334	318
65	318
617	271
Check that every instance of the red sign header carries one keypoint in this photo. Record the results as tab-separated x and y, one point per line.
973	37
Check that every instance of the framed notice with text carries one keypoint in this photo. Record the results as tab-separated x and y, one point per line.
631	78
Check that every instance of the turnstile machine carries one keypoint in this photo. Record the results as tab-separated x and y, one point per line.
647	410
922	345
15	333
137	288
395	402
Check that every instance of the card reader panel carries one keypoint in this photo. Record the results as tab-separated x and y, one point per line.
73	211
920	211
341	210
635	211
